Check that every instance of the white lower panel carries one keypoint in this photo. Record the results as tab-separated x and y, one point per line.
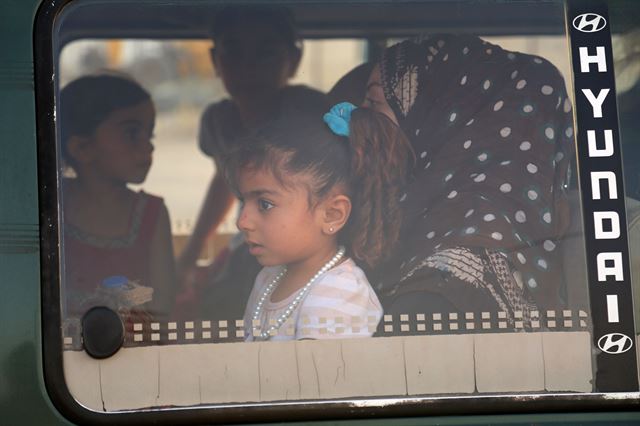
210	373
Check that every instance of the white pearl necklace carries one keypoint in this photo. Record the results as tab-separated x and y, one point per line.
265	334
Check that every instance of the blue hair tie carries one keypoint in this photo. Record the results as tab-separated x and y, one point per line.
338	118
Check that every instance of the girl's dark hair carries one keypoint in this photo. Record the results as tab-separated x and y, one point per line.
89	100
371	165
278	17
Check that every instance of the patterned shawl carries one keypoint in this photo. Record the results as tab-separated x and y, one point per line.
493	138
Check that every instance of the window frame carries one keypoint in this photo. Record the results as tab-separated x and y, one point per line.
352	408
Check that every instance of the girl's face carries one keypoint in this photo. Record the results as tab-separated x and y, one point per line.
279	225
120	149
375	98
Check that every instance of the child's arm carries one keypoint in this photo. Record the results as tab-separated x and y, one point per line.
162	266
217	203
219	198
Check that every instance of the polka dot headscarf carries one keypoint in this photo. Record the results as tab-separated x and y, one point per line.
493	137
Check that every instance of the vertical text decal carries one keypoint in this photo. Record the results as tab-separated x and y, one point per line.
601	181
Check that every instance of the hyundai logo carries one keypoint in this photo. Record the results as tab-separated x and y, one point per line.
589	22
615	343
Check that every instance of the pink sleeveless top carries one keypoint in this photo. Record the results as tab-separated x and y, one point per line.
89	259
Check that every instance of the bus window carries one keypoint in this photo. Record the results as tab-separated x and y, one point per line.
307	205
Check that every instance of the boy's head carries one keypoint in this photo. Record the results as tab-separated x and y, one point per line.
256	49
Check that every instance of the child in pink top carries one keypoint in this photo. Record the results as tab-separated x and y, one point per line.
110	230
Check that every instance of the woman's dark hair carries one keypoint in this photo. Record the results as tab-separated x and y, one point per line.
89	100
278	17
371	165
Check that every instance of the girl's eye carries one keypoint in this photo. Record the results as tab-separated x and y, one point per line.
265	205
131	134
134	133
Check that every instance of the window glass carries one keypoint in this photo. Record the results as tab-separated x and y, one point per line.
319	202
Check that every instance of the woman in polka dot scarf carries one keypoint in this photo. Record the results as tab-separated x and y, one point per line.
486	204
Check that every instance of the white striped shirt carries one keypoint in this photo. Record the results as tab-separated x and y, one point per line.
340	304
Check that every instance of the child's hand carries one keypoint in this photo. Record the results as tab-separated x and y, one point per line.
184	266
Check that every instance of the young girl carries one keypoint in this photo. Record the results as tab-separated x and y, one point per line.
113	236
313	203
256	51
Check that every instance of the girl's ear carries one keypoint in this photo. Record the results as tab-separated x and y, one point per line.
336	211
80	149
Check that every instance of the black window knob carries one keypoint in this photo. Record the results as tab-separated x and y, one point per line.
102	332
